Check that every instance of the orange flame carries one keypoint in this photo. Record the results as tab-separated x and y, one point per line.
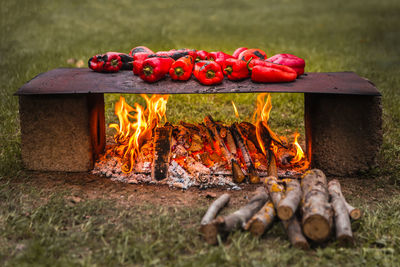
235	109
134	129
261	117
299	151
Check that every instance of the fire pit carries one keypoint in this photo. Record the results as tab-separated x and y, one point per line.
63	126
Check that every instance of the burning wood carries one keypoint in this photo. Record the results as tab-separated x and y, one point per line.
162	149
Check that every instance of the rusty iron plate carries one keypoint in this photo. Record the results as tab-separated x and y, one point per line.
82	81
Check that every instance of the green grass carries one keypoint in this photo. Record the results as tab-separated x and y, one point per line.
36	36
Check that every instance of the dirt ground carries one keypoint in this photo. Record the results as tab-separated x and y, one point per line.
84	186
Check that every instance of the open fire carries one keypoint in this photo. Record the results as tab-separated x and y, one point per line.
148	148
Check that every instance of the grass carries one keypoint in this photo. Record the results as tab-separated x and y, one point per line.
36	36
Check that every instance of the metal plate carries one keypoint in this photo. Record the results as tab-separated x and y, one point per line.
82	81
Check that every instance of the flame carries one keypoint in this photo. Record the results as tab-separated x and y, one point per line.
134	129
299	151
235	109
261	117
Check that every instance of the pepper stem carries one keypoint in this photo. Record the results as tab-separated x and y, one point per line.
248	62
228	69
210	74
179	71
148	70
114	62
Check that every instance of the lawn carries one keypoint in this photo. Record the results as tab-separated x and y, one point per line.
69	223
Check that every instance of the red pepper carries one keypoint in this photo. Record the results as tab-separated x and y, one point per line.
96	63
155	68
236	69
238	51
138	60
181	69
113	63
201	55
296	63
208	72
126	60
252	53
266	72
219	57
177	54
140	49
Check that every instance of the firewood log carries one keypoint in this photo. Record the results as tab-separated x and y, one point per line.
354	213
253	176
162	149
239	218
293	230
317	212
248	130
272	169
238	175
342	220
231	143
262	220
275	189
288	205
264	138
208	229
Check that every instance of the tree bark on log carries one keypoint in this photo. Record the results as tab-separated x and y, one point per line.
342	220
262	220
253	176
317	212
239	218
162	149
288	205
275	189
272	169
354	213
296	237
207	228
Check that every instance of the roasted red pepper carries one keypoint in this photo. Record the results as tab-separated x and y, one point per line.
138	60
267	72
208	72
201	55
177	54
219	57
155	68
113	63
96	63
127	61
238	51
140	49
252	53
235	69
181	69
296	63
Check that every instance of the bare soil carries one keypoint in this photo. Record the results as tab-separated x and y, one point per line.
85	186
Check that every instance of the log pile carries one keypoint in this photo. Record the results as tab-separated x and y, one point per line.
309	212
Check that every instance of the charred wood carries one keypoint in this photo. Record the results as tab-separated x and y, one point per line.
253	176
162	149
272	169
316	209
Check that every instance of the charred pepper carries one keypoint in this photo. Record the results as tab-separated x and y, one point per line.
208	72
155	68
140	49
296	63
219	57
235	69
267	72
252	53
181	69
127	60
96	63
112	63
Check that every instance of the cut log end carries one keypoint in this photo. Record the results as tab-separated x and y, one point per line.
316	228
210	233
284	212
355	214
256	227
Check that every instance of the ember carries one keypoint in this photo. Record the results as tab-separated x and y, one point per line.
147	148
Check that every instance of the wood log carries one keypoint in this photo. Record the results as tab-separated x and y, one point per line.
162	149
342	220
272	169
231	143
248	130
288	205
293	230
239	218
252	173
237	173
275	189
207	228
354	213
264	139
317	212
262	220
